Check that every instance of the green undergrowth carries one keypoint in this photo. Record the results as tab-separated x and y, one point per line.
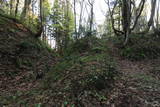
94	59
86	44
21	51
30	54
32	26
35	48
24	60
35	44
79	75
142	47
85	71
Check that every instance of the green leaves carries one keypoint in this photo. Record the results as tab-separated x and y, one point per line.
38	105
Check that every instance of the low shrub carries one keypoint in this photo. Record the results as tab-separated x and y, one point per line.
141	47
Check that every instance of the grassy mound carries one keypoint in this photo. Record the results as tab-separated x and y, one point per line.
80	78
23	59
19	50
142	47
84	77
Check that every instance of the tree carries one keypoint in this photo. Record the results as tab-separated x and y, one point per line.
16	10
56	16
80	18
91	3
26	10
128	24
44	14
153	7
12	6
63	23
75	19
156	24
68	23
126	19
111	13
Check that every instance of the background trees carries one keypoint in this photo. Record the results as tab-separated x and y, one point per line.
66	20
132	16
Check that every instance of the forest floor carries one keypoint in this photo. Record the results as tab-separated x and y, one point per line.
139	85
21	58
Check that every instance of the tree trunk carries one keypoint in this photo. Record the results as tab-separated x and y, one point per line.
91	16
11	7
80	19
16	10
41	17
126	19
153	4
26	8
138	14
75	19
111	12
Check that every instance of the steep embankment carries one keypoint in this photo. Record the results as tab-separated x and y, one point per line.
23	58
82	77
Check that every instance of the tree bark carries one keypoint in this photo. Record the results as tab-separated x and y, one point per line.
126	19
153	7
25	11
91	16
75	19
80	19
141	7
16	10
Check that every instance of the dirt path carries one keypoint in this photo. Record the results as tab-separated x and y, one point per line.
137	86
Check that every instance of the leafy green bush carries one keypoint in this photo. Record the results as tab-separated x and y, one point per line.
21	62
97	49
98	80
87	44
80	46
35	44
27	45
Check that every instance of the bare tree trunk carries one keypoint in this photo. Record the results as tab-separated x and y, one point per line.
150	22
26	8
75	19
157	20
41	12
16	10
156	26
11	7
119	19
33	12
141	7
41	18
91	16
80	19
126	19
151	19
